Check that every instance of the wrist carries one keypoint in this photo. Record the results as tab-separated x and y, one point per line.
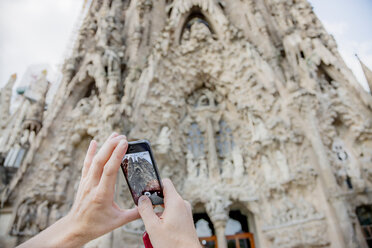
63	233
68	233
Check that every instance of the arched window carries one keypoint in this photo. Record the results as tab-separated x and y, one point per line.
197	18
233	227
237	230
205	230
91	90
225	142
195	141
84	92
197	26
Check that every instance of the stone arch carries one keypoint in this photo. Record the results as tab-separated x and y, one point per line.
195	11
83	89
88	78
241	210
238	224
195	16
204	226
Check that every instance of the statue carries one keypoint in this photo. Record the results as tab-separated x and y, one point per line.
42	215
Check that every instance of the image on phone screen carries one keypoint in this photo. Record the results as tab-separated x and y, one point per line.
141	176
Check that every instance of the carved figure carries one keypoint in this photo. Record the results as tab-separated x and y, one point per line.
243	100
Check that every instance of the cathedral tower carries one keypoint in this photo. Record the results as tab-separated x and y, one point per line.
248	105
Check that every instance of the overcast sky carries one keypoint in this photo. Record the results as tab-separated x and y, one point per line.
34	32
38	32
349	21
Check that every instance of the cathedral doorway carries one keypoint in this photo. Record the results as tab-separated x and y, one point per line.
364	214
237	231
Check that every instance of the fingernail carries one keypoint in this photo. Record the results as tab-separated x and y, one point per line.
91	143
122	143
142	199
120	137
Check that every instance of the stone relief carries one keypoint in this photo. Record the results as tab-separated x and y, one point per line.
289	213
278	128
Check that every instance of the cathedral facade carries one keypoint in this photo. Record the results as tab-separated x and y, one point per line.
249	107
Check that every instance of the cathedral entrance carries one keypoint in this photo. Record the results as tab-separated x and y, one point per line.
237	231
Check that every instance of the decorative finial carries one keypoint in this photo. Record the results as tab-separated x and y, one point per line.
14	75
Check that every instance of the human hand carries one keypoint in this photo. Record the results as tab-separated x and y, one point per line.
175	226
94	211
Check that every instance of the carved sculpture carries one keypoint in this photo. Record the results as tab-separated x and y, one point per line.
248	105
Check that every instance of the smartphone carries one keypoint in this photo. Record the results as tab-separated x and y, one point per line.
141	173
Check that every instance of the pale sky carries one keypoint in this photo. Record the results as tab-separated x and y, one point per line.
34	32
38	32
349	21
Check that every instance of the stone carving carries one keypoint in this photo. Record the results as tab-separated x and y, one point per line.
305	226
248	105
34	117
288	212
310	234
42	215
163	141
217	208
31	217
5	97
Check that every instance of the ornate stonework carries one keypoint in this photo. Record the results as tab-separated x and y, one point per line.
248	105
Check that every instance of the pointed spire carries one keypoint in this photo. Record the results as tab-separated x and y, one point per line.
34	117
5	97
367	73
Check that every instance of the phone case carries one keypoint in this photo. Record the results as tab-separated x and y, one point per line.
155	200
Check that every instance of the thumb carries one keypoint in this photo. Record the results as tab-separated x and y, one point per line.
150	219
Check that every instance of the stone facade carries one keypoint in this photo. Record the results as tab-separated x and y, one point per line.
248	106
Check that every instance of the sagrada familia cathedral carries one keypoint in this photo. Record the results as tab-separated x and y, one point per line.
249	107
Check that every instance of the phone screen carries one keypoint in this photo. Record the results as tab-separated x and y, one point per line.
141	175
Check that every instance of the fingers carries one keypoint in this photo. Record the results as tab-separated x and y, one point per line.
150	219
90	154
102	157
173	202
128	215
189	208
89	157
110	170
170	194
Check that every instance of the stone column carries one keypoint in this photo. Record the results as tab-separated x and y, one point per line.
306	104
219	228
218	211
113	62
